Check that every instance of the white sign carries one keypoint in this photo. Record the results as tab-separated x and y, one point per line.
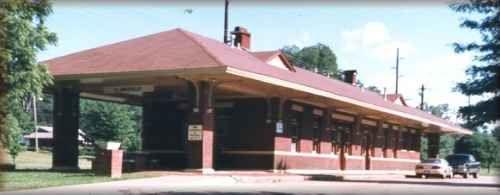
129	89
279	127
195	132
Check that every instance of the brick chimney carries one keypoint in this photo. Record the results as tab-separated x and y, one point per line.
350	76
241	38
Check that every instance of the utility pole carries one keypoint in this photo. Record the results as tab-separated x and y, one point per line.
35	122
422	89
226	5
397	70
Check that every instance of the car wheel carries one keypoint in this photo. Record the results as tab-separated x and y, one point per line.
465	175
475	175
419	175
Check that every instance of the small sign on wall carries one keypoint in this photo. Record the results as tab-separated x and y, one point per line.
195	132
279	127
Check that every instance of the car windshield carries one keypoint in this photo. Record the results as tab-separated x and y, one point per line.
457	158
434	161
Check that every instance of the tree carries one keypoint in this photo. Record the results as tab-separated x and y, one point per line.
446	142
489	151
374	89
482	146
24	34
105	121
483	75
13	139
318	58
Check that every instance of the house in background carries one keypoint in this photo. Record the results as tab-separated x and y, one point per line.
45	137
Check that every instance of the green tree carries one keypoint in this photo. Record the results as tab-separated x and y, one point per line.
483	79
105	121
482	146
13	139
25	34
446	142
318	58
374	89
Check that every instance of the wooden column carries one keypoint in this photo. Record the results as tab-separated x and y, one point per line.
65	134
200	151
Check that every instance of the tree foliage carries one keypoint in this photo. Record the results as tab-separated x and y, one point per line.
446	142
318	58
105	121
25	34
483	74
482	146
13	138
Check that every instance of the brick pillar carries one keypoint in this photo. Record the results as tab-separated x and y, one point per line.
433	145
65	135
200	152
108	163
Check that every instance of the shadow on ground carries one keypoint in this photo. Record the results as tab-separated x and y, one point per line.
220	193
401	181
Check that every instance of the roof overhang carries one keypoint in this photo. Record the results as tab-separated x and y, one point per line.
445	128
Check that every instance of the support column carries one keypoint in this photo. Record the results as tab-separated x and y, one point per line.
200	151
65	134
433	145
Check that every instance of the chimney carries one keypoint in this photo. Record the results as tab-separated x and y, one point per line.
241	38
350	76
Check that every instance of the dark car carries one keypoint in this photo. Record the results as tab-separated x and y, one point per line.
464	164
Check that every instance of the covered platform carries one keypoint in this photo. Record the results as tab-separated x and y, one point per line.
207	105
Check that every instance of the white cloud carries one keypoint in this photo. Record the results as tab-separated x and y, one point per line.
302	39
374	39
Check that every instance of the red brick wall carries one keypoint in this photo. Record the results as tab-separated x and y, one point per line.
355	164
393	165
302	162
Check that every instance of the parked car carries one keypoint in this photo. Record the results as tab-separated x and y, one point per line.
434	167
464	164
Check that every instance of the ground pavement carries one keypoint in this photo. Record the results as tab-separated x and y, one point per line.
281	184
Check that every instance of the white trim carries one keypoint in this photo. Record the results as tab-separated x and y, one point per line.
395	159
355	157
342	117
297	108
307	89
369	122
282	153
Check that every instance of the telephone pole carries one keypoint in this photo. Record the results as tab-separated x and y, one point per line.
35	122
422	89
397	70
226	6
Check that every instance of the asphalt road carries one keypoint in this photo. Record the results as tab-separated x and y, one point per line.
223	185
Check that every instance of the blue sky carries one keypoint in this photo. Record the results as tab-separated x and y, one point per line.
364	37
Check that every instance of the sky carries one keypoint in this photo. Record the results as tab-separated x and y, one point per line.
364	36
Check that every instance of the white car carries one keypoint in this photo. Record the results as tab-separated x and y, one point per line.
434	167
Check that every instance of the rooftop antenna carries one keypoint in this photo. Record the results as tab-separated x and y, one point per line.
226	6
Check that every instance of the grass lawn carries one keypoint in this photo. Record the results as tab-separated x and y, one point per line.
32	171
493	172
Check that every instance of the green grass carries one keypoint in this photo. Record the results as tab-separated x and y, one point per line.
32	171
493	171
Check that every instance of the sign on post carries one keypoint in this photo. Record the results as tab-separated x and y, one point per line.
195	132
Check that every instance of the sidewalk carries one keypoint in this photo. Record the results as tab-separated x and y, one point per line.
179	178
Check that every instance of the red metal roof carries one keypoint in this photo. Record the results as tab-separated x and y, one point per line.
180	49
395	97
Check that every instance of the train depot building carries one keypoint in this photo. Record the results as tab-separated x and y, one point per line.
211	106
